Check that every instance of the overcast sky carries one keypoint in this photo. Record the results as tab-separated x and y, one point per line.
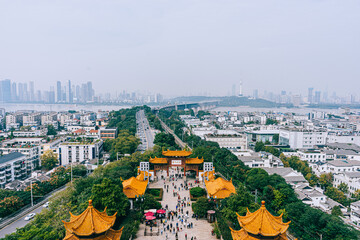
182	47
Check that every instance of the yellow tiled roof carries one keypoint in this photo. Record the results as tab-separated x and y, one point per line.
243	235
108	235
210	176
158	160
194	161
140	175
182	153
91	221
134	187
219	188
263	223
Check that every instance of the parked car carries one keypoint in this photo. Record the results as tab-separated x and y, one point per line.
29	216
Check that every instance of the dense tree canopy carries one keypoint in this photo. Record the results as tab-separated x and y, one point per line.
49	160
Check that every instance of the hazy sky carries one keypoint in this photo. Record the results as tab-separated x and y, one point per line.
183	47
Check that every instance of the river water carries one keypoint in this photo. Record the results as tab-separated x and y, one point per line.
12	107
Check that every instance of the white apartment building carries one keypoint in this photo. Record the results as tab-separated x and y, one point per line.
78	152
312	156
13	121
355	213
355	139
316	198
352	179
261	160
12	167
33	119
336	166
79	127
32	133
231	142
302	139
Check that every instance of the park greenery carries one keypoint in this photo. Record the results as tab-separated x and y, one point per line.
125	143
165	141
306	222
51	130
49	160
197	192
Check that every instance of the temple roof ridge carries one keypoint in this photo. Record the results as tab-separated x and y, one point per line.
262	222
89	222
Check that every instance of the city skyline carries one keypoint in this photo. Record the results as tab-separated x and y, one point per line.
184	48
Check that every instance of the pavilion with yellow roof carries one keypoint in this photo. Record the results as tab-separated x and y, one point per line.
260	225
91	225
176	159
135	186
218	188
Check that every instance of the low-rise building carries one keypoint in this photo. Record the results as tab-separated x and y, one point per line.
261	160
108	133
355	213
312	156
79	152
291	176
316	198
234	141
351	179
301	138
336	166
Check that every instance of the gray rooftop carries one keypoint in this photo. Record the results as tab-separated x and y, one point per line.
11	156
347	146
344	163
280	171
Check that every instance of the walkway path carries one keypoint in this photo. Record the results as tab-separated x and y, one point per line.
201	228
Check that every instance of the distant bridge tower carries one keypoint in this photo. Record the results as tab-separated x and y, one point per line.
241	89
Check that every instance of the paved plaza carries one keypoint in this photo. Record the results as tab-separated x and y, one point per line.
201	228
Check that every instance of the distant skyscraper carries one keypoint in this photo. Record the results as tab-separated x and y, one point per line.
13	92
90	91
31	92
21	93
241	89
5	90
58	92
52	95
69	97
256	94
310	95
233	90
317	97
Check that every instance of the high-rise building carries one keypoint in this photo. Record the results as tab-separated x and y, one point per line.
90	91
5	90
241	89
256	94
317	97
13	92
58	92
69	97
310	95
31	92
233	90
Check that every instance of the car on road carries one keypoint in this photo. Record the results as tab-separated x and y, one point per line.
46	205
29	216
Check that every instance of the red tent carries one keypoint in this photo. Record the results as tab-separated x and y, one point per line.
150	217
161	211
149	214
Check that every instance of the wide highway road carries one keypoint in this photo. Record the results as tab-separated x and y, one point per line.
144	132
20	222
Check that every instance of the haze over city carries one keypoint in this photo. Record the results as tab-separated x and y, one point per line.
183	47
